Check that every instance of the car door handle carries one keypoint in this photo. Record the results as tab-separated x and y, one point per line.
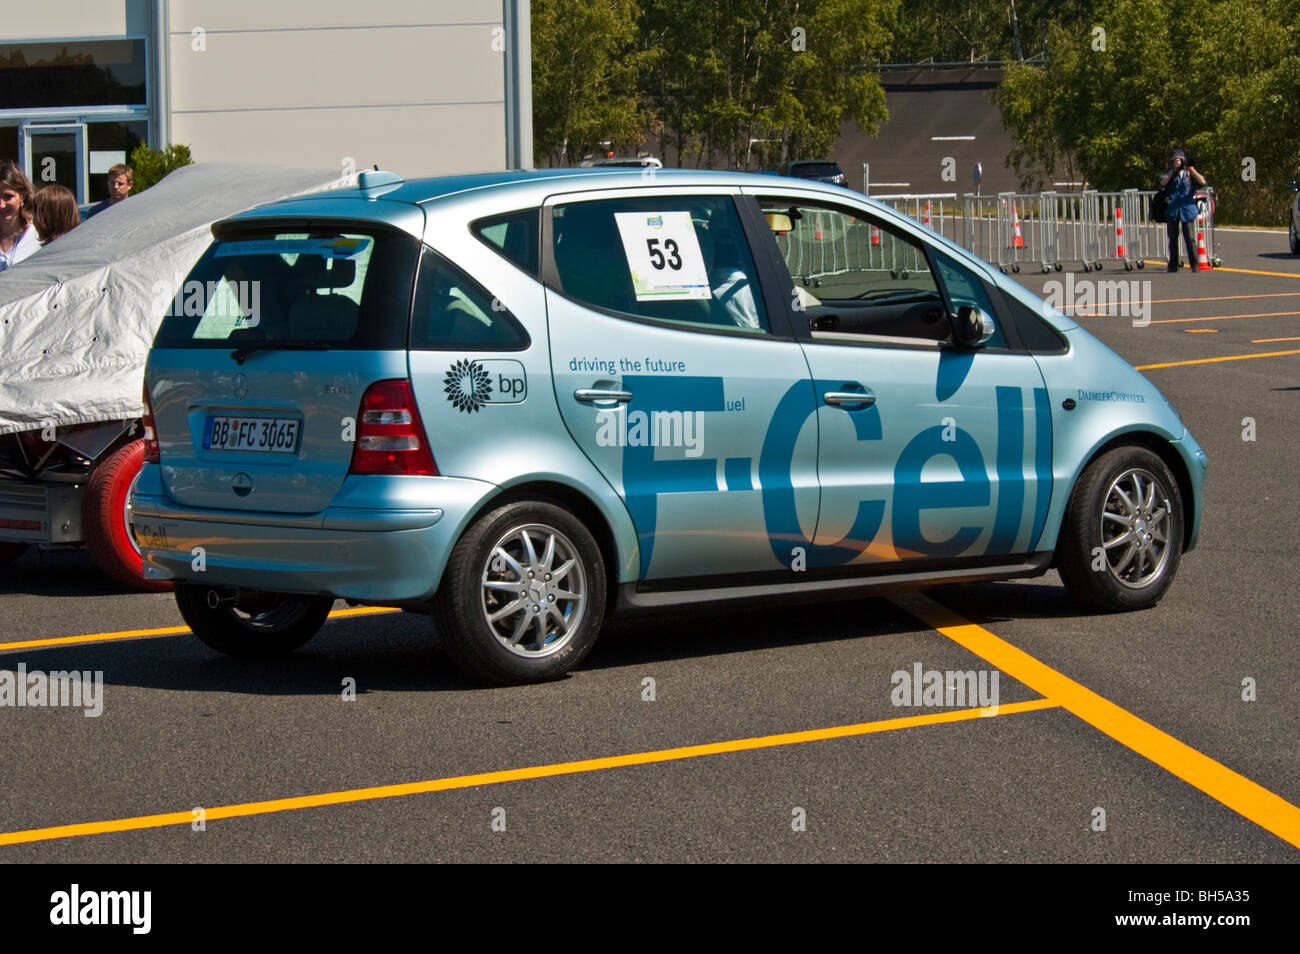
598	395
865	398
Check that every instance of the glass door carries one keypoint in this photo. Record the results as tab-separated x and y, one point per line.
56	153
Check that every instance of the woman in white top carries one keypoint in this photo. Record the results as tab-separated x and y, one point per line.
18	237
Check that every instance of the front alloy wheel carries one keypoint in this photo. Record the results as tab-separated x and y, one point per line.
1135	526
1123	532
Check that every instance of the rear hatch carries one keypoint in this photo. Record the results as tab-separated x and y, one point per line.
259	366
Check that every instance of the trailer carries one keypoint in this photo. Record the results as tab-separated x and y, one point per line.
76	323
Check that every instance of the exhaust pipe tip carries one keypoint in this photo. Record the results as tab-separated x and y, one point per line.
215	598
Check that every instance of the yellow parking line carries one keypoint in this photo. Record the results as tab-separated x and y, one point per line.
1263	314
96	637
1266	340
514	775
1243	271
1248	799
164	631
1201	331
1230	357
1167	301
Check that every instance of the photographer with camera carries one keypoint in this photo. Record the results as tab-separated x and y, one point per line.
1177	181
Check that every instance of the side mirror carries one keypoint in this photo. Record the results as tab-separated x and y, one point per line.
972	327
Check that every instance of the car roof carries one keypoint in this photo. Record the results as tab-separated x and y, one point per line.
509	189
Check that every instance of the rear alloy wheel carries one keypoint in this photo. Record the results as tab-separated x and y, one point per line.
523	595
106	514
1123	532
246	623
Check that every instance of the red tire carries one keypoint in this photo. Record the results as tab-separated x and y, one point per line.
103	518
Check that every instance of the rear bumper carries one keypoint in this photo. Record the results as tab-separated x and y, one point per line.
368	554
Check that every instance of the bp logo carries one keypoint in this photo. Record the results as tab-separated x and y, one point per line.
468	386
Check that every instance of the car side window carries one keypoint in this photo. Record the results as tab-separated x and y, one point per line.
678	259
514	235
856	277
452	312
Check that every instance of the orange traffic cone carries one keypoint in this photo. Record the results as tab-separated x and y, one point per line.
1018	241
1202	259
926	219
1119	233
875	235
818	233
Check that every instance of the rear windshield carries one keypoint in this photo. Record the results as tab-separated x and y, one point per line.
346	288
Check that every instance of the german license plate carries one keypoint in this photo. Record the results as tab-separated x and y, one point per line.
275	435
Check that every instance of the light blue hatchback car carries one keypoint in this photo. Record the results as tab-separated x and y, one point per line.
521	401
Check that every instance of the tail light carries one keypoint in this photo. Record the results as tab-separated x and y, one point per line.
151	455
390	436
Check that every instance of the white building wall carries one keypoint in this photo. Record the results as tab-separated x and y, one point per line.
414	86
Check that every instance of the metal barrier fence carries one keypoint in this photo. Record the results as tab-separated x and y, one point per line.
1010	230
834	243
1050	229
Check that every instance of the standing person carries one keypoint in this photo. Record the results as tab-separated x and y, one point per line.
1182	209
121	180
54	212
17	236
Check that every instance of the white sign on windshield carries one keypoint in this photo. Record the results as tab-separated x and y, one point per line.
663	255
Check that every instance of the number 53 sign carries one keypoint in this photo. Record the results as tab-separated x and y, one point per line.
663	255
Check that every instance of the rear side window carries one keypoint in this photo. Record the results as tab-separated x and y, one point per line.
452	312
330	288
514	235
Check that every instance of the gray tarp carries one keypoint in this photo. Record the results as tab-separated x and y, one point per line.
78	317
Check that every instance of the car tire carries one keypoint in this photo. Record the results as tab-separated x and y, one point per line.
251	624
10	552
104	519
523	596
1110	554
1295	239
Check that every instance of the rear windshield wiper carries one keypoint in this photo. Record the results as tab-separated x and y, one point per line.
257	341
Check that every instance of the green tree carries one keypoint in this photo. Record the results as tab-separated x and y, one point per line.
149	165
956	31
586	66
1218	78
748	83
